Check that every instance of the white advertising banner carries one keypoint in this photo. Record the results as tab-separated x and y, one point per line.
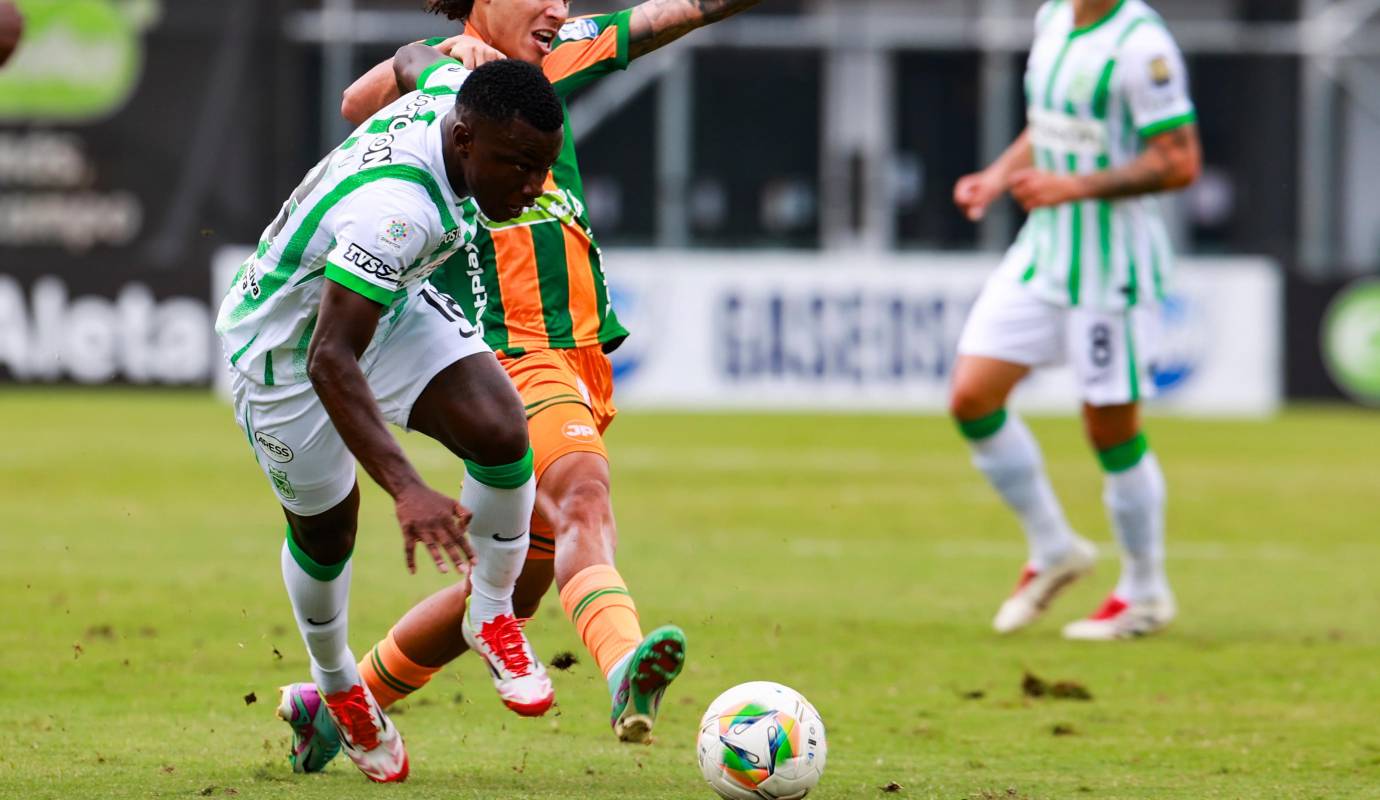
818	331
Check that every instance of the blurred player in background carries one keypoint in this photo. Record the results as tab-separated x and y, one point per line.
537	289
11	29
1110	124
332	328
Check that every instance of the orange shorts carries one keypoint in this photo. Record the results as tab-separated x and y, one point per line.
568	395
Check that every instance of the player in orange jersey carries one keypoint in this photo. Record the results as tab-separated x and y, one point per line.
535	285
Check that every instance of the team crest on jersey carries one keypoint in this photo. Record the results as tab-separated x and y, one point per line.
395	233
578	29
1081	88
1160	72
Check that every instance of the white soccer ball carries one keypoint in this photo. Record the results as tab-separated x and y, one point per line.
761	741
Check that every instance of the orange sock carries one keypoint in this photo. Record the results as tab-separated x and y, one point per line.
390	674
597	601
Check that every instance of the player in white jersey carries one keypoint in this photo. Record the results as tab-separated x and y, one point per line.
332	328
1109	124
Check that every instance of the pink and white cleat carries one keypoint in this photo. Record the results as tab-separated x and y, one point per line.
1118	619
1036	590
520	678
367	736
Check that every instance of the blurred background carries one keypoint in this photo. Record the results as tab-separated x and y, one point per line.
772	193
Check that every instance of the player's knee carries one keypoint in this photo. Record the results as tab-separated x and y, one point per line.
966	403
1104	434
324	542
504	442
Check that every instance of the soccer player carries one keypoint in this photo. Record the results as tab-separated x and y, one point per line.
536	286
332	328
1110	124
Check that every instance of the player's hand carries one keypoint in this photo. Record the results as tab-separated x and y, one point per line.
471	52
974	193
439	522
1034	189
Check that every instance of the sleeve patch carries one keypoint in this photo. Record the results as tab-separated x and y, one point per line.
395	233
577	29
1160	72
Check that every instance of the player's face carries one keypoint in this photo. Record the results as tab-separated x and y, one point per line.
521	29
506	163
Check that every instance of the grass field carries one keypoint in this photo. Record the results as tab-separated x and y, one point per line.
858	559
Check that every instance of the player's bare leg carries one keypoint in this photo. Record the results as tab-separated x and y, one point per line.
472	408
1007	454
1135	497
575	494
316	570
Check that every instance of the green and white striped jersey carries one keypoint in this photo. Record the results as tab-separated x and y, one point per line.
377	215
1094	96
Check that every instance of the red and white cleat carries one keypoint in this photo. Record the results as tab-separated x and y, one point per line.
1036	590
520	678
1117	619
367	736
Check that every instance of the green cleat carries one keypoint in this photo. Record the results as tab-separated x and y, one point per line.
638	685
315	740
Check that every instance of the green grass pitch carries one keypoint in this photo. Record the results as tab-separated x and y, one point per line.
858	559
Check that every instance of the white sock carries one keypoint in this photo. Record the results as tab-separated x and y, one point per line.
1135	500
1010	458
322	611
507	514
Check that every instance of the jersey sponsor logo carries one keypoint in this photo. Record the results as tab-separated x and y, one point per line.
1053	130
577	29
579	432
273	447
1160	73
395	233
370	263
249	284
475	272
379	151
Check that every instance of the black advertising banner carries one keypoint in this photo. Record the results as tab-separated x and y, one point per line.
1334	340
136	137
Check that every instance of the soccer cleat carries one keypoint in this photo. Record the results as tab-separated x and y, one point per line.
367	736
1036	590
520	678
1117	619
315	740
639	684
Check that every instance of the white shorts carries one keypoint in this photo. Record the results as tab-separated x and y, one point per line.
1112	352
307	463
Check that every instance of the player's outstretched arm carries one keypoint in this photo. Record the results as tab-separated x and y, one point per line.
1172	160
974	193
657	23
370	92
379	86
345	325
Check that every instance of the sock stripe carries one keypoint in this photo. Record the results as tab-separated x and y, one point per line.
983	427
321	572
502	476
388	677
591	597
1125	455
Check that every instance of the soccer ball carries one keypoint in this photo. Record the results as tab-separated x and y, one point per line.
761	741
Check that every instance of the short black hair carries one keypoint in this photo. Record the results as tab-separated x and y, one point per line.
457	10
507	88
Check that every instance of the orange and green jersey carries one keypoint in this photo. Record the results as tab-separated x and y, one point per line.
537	281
